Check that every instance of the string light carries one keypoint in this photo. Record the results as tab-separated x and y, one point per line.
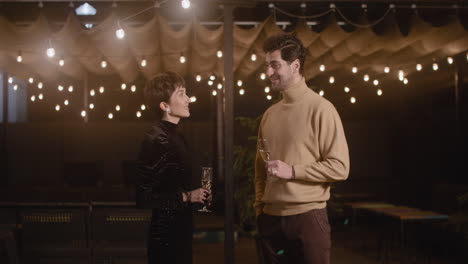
267	89
66	102
70	88
376	82
110	116
210	82
198	78
435	66
83	113
143	62
57	108
354	69
387	69
31	80
241	91
103	64
331	79
15	87
214	93
10	80
449	60
322	67
138	114
352	100
40	96
92	92
101	89
19	58
379	92
219	54
366	77
50	51
346	89
220	86
123	86
263	76
401	75
418	67
239	83
120	33
405	81
193	99
91	106
143	107
185	4
212	77
321	93
268	97
60	88
40	85
182	58
61	62
117	108
253	57
133	88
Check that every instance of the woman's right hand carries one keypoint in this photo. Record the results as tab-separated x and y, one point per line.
199	195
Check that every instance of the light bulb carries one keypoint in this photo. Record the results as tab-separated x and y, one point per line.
354	69
117	108
143	107
263	76
214	93
346	89
40	96
15	87
366	77
92	92
253	57
133	88
449	60
331	79
198	78
220	86
83	113
376	82
401	75
31	80
241	91
40	85
387	69
91	106
212	77
379	92
182	58
321	93
103	64
267	89
185	4
239	83
352	100
435	66
405	81
110	116
50	52
210	82
66	102
61	62
269	97
120	33
101	89
70	88
418	67
322	67
10	79
60	88
123	86
19	58
219	54
193	99
143	63
57	108
138	114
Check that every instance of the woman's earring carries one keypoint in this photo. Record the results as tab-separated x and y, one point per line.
168	110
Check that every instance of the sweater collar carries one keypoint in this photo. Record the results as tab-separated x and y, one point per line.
295	92
168	125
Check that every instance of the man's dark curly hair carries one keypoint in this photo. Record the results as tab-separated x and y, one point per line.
160	88
291	48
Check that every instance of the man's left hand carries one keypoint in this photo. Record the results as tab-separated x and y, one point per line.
278	168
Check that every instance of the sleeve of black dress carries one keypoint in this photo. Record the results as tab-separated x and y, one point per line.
158	165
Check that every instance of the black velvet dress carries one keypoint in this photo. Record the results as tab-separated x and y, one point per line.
164	172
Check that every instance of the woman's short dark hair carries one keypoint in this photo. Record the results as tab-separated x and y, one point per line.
291	48
160	88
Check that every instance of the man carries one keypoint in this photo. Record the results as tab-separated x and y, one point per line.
308	152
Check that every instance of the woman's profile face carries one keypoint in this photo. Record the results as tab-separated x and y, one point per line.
179	103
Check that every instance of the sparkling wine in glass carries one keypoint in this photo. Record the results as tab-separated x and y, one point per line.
206	181
264	151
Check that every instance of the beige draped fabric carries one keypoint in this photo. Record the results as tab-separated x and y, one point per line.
161	45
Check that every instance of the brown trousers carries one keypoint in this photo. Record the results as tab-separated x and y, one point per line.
295	239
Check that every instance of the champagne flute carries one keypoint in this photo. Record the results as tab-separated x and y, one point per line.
206	180
264	151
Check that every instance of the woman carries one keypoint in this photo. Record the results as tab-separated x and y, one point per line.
164	174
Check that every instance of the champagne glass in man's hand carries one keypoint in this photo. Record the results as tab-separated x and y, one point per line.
264	151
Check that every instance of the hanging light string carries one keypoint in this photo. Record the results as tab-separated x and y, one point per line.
363	25
303	17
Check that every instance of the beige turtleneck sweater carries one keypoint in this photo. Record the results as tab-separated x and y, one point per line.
303	130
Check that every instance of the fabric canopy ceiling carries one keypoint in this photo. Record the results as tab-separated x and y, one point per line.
161	45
